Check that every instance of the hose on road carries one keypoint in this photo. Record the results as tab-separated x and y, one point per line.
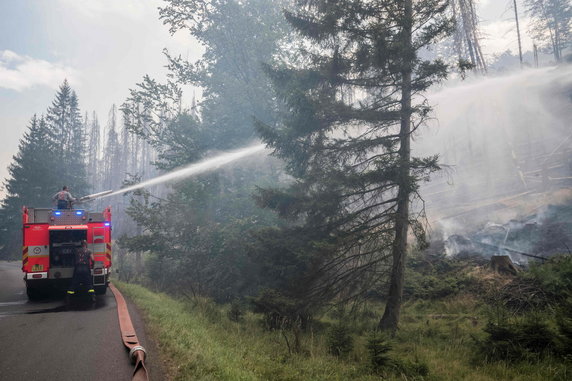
137	353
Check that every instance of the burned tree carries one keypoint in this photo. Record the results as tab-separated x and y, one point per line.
466	36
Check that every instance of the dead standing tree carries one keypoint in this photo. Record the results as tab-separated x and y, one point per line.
466	36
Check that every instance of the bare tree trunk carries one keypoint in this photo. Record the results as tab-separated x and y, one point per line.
390	319
518	33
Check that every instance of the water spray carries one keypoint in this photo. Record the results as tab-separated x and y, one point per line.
188	171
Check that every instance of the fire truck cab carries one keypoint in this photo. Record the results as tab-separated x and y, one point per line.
50	238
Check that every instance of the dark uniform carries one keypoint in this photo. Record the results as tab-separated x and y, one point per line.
82	271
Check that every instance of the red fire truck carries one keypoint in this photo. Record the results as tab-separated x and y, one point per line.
50	238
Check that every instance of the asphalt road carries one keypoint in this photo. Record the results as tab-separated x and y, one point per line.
47	340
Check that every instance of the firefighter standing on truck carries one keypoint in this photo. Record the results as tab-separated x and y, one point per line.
64	198
82	270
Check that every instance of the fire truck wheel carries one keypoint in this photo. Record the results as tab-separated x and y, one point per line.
100	290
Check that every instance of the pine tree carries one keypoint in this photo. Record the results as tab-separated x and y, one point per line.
351	106
33	180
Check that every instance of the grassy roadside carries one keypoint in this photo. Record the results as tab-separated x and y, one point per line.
201	343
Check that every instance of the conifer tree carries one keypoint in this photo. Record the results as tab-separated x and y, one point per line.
33	180
68	139
351	106
113	176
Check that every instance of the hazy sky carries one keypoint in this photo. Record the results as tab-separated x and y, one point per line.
104	47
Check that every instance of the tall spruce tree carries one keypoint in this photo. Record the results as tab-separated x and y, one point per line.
352	103
68	139
33	180
113	175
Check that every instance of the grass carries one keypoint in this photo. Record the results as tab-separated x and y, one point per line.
201	343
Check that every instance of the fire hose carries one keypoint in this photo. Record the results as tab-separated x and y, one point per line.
137	353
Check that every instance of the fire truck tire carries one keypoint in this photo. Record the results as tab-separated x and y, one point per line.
100	290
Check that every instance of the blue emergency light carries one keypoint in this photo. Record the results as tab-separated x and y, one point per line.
108	224
78	212
57	213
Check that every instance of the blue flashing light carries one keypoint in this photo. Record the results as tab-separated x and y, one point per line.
78	212
57	213
108	224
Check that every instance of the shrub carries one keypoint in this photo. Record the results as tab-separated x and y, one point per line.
564	324
236	312
378	349
554	276
411	370
339	340
380	361
518	340
280	311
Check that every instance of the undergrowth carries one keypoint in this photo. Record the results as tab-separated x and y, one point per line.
437	341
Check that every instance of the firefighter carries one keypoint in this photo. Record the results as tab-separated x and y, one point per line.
82	270
64	198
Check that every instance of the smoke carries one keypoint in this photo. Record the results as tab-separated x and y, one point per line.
495	135
506	144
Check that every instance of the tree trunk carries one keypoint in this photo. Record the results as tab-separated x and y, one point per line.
390	319
518	33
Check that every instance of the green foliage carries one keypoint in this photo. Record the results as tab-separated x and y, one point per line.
339	340
530	315
200	235
525	339
51	154
382	363
433	343
435	276
378	349
554	276
464	66
236	311
281	311
67	137
412	370
342	103
564	324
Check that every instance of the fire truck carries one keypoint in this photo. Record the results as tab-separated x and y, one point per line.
50	239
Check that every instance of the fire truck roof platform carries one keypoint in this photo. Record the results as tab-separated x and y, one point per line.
62	216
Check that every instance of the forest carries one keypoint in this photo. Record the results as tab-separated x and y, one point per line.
410	217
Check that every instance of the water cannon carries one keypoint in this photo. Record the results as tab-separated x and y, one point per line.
94	196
